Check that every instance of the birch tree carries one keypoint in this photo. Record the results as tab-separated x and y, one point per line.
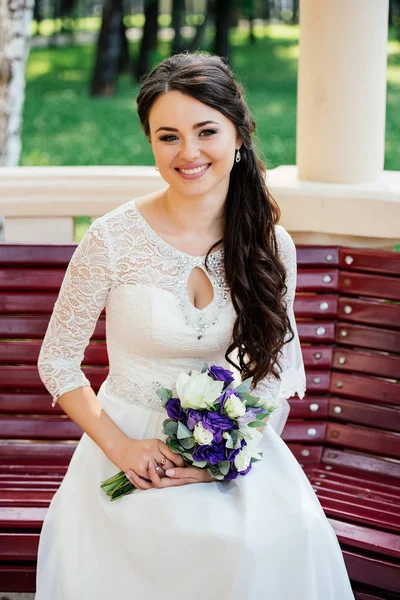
15	22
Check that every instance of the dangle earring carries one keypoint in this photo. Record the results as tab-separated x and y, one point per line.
238	157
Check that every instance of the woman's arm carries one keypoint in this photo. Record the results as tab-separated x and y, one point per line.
82	406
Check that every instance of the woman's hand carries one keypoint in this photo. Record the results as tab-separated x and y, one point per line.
133	457
177	476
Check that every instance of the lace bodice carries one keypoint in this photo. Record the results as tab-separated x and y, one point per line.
153	331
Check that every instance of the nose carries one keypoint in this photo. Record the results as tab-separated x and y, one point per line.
189	150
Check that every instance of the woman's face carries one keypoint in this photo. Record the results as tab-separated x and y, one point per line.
194	145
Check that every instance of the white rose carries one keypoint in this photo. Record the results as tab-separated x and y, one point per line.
243	459
234	407
201	435
197	390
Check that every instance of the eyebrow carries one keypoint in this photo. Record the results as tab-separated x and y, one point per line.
194	126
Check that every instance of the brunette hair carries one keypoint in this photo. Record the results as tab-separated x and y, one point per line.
254	272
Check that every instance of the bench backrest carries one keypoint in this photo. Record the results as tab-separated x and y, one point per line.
348	314
347	309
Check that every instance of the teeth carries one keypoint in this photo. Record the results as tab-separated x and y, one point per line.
191	171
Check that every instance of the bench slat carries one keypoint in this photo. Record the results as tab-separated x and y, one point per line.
370	312
39	428
354	411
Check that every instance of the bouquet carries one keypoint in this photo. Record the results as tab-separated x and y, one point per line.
211	424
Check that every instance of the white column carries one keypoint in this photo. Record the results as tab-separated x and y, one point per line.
341	105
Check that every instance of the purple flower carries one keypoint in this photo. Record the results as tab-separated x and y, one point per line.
216	422
231	453
232	473
246	470
213	453
175	410
247	418
192	417
220	374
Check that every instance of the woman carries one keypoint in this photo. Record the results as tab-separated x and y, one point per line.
170	310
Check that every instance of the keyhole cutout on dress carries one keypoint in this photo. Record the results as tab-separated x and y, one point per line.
199	289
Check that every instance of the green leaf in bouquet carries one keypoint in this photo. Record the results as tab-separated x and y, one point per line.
175	446
262	416
199	463
251	401
188	456
229	442
205	367
244	386
170	428
257	424
234	435
164	394
188	443
183	431
238	444
215	473
224	467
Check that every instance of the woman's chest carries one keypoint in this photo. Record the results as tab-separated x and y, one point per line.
171	305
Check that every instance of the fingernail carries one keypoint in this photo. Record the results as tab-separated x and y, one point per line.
128	475
170	472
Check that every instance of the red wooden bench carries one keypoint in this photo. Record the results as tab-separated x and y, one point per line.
345	432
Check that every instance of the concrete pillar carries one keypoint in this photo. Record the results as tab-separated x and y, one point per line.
341	105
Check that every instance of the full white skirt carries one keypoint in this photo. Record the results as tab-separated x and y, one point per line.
263	535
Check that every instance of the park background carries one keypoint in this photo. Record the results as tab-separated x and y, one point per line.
86	59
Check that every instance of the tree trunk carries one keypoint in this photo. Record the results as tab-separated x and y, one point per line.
178	14
149	39
15	21
200	30
37	13
111	49
295	17
223	12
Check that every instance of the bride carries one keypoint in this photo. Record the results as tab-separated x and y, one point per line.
200	271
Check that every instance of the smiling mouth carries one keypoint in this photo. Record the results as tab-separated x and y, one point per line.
195	171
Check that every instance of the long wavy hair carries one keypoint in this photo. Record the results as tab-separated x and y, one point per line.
253	270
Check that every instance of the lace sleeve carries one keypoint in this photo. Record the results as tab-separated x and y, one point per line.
82	297
292	375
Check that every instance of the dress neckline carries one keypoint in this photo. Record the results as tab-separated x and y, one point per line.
161	240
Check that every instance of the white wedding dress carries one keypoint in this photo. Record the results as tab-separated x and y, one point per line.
262	535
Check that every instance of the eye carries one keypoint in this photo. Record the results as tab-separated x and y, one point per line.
167	138
209	131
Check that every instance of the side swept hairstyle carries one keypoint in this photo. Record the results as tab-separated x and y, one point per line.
253	270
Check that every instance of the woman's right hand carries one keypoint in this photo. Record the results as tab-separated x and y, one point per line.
135	455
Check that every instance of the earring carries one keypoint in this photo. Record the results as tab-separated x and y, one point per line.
238	157
156	168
